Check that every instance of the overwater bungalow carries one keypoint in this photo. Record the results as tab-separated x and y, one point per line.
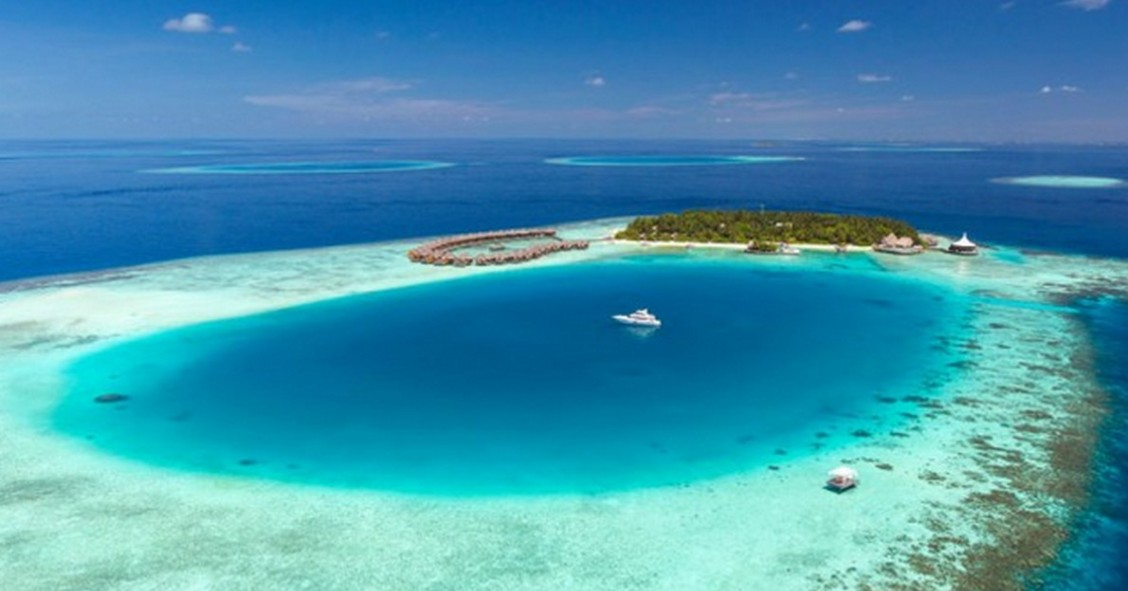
963	247
902	245
440	252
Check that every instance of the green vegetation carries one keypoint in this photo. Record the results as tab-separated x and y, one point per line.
767	227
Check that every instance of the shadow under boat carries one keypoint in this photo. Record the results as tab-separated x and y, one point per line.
642	332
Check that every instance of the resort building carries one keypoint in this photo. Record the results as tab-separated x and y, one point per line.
963	246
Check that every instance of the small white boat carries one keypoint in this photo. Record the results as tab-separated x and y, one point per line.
641	317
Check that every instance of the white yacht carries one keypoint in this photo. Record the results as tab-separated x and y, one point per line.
641	317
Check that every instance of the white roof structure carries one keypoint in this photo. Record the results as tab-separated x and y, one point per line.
844	473
964	242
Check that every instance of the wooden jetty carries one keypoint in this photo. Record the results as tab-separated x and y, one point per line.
442	252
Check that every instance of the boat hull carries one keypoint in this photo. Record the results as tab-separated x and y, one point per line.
624	319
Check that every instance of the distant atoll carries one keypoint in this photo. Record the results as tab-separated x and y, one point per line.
1063	181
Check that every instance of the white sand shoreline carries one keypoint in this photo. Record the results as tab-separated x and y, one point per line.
851	248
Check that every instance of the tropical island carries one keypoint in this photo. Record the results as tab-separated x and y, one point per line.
766	229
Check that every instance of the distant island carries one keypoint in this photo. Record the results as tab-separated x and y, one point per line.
766	229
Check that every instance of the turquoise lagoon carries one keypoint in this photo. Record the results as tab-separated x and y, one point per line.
520	383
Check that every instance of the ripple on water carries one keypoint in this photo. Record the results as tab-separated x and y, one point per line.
668	160
922	149
1062	181
368	167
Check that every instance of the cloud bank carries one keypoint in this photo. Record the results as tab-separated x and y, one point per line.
1086	4
373	99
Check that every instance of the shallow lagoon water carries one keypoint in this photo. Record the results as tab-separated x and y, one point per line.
519	383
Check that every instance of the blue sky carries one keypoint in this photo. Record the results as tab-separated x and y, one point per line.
958	70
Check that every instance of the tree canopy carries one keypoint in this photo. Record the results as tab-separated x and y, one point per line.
742	226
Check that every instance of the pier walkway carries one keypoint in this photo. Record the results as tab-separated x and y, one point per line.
442	251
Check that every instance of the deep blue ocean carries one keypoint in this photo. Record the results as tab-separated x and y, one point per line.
78	206
82	206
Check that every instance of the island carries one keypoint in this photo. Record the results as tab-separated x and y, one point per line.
766	230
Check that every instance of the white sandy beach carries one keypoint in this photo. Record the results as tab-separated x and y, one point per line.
937	498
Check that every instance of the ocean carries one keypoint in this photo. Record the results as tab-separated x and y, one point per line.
79	206
73	207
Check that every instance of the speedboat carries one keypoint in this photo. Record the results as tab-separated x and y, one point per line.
641	317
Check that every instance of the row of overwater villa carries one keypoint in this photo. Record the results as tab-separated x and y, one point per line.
441	252
904	245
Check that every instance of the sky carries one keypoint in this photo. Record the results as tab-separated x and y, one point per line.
923	70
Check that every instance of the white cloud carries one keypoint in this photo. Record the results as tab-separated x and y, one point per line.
241	47
382	35
1047	89
854	26
375	84
871	78
650	112
596	81
1086	4
803	27
754	102
193	22
791	76
722	98
907	98
1008	5
199	23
